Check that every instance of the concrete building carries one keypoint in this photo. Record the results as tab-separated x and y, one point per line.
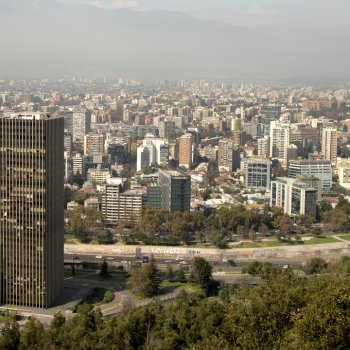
329	144
264	146
167	128
158	148
257	173
279	140
79	125
92	203
269	114
291	154
211	152
343	170
94	144
185	151
143	158
293	196
175	190
225	154
121	203
31	206
99	176
317	167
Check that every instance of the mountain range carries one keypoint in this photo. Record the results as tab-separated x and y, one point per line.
47	38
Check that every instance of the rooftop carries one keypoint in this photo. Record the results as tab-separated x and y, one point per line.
29	116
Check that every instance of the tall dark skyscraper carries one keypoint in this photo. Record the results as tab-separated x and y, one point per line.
175	190
31	209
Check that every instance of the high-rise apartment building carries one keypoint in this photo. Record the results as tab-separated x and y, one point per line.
264	146
167	128
175	190
329	144
225	154
185	150
77	123
279	140
121	203
31	207
158	148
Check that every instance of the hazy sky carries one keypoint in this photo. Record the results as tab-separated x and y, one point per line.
252	39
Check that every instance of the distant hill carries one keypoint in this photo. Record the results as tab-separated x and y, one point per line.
41	37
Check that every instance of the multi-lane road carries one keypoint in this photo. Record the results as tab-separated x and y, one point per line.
126	261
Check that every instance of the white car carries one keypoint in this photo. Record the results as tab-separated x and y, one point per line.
98	256
183	262
110	258
224	260
168	261
124	262
177	258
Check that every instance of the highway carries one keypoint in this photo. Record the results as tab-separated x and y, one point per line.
123	260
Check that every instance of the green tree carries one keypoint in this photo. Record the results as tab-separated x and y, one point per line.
10	335
324	322
315	265
145	279
261	269
78	179
32	335
180	275
170	273
104	269
202	272
105	237
108	297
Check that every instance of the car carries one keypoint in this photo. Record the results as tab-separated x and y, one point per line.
183	262
168	261
110	258
224	260
286	266
98	256
177	258
124	262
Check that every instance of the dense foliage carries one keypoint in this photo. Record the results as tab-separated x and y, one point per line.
285	311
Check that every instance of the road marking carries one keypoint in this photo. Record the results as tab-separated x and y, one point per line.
115	305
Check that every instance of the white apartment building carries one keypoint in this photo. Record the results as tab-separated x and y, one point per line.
329	144
120	203
293	196
99	176
279	140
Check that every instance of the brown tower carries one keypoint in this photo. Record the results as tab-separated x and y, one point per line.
31	209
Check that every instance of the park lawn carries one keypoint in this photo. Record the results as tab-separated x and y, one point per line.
322	240
191	287
345	236
97	277
266	244
69	241
5	318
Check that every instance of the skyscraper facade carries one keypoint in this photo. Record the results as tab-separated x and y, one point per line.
31	207
175	190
